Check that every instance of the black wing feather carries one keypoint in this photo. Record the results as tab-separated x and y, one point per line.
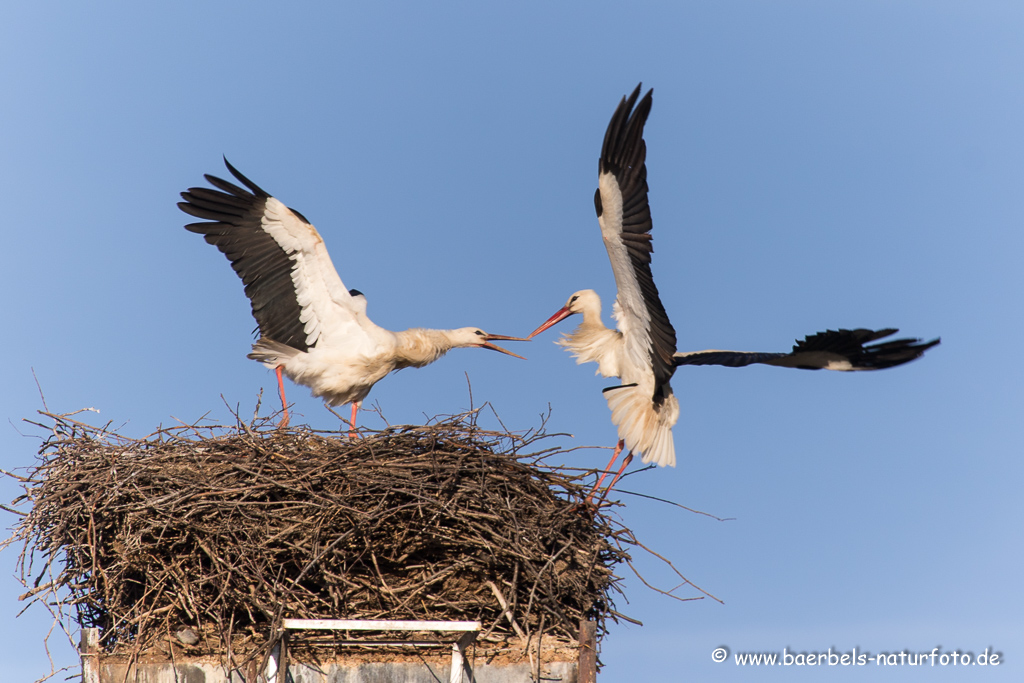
623	154
233	222
729	359
815	351
852	344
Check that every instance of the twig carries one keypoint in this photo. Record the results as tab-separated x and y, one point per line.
504	606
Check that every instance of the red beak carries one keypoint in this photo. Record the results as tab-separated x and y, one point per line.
558	317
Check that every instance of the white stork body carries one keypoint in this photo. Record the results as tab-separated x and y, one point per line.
346	375
644	425
642	351
312	328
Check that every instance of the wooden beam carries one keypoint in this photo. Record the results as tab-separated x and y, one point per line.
587	667
282	659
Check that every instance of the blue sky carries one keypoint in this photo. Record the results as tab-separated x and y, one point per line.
811	165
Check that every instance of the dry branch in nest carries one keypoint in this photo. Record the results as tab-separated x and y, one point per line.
226	531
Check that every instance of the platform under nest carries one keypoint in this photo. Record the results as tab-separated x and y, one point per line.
227	531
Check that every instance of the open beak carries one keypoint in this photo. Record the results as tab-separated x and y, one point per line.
501	337
558	317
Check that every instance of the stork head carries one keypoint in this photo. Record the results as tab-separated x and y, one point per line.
468	337
583	301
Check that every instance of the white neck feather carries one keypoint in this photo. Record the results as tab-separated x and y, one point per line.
594	342
418	347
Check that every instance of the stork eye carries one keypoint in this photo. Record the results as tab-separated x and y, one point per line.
481	333
573	300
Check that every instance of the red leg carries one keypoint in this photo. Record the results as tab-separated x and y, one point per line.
608	468
352	428
628	459
284	403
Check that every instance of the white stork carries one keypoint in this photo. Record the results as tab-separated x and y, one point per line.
312	328
642	351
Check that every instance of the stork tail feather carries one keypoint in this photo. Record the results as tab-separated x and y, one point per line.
646	427
272	353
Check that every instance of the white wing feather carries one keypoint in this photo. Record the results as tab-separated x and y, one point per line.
329	312
629	310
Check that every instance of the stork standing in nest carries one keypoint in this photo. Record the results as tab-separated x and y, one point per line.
313	329
642	351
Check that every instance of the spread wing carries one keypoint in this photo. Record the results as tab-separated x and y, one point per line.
829	350
625	218
296	295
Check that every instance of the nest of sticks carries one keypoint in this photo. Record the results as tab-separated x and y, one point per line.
225	531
